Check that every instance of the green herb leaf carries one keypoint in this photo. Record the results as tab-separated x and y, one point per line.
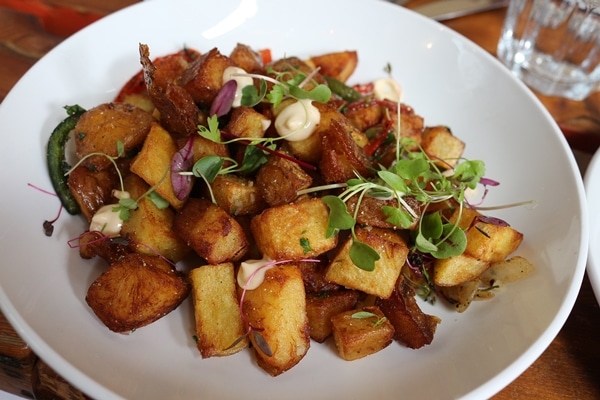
120	148
393	181
251	96
397	216
305	243
254	158
208	167
339	218
211	132
158	200
454	243
320	93
363	255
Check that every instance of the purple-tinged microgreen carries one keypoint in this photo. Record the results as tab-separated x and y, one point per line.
182	160
223	102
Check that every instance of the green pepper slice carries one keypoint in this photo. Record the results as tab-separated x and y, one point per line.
55	158
341	89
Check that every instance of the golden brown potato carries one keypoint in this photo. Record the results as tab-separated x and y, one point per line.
216	311
150	229
439	143
92	189
380	282
412	326
279	181
153	163
204	77
203	147
371	213
136	291
338	65
277	312
321	307
100	129
357	335
460	296
457	270
215	235
293	231
246	122
247	59
237	195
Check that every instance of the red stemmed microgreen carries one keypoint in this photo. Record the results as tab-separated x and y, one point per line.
182	160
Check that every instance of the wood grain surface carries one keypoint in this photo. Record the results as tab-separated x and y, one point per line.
569	368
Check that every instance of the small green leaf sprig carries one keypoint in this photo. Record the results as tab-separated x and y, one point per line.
416	175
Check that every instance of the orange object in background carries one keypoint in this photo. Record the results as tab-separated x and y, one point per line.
60	21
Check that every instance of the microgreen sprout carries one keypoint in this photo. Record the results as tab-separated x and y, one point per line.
367	314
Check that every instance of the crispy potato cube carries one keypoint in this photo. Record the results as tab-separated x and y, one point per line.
136	291
491	242
203	147
246	122
216	310
371	213
92	189
149	228
293	231
277	311
215	235
204	77
247	59
99	130
279	181
338	65
439	142
357	336
321	307
456	270
313	275
380	282
412	326
153	163
237	195
366	117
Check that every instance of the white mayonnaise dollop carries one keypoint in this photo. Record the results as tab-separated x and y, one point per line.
252	273
298	120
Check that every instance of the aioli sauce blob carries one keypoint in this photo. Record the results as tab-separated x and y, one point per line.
252	273
235	74
298	120
106	220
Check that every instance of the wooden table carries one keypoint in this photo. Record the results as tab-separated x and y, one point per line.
569	368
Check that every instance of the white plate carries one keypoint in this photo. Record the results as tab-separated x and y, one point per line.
592	187
446	78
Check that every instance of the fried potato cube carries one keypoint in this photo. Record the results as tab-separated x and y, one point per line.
293	231
440	143
492	242
149	228
361	332
456	270
101	128
380	282
216	310
203	147
279	181
321	307
277	312
246	122
412	326
247	58
153	163
339	65
371	213
95	243
237	195
365	117
204	77
136	291
215	235
92	189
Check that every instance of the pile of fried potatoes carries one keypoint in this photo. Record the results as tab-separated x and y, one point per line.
316	292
